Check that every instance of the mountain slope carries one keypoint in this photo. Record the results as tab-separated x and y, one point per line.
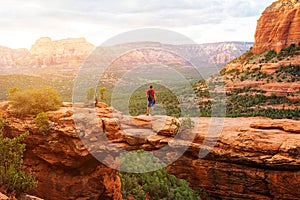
265	81
64	57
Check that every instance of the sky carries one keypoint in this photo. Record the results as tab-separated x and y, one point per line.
204	21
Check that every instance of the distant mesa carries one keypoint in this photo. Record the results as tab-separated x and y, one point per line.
61	56
70	46
64	57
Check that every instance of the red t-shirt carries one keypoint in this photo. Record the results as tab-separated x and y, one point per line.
152	92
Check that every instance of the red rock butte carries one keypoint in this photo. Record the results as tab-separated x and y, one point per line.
278	27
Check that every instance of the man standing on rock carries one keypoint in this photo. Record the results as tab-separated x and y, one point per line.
151	99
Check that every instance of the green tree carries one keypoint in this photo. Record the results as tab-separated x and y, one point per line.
11	154
42	122
34	100
102	91
157	184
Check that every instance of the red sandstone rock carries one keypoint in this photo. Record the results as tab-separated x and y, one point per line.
61	163
29	197
61	57
67	47
141	121
111	124
252	158
64	57
267	68
246	163
286	125
278	27
3	197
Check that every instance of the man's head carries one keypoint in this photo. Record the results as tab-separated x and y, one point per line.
151	86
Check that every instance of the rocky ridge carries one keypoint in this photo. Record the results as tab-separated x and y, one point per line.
64	57
63	167
267	68
59	57
264	152
279	77
278	27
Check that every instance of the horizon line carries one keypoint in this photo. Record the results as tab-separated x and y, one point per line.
86	40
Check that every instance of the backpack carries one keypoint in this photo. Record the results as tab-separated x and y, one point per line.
150	95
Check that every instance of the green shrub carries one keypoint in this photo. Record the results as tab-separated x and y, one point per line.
42	122
177	124
11	154
270	55
3	122
34	100
102	91
288	51
152	185
187	122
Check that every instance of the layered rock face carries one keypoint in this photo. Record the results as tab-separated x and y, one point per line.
73	50
64	57
278	27
67	47
58	160
212	54
46	52
222	53
57	57
9	57
252	158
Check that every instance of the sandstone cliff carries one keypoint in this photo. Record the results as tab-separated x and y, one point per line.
278	27
58	57
64	57
46	52
212	54
263	71
63	167
253	158
66	47
11	57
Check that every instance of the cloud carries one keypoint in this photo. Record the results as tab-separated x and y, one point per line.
98	19
245	8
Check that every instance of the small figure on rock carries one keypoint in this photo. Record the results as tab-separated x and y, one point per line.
151	100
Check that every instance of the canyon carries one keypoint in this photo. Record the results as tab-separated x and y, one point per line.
250	158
